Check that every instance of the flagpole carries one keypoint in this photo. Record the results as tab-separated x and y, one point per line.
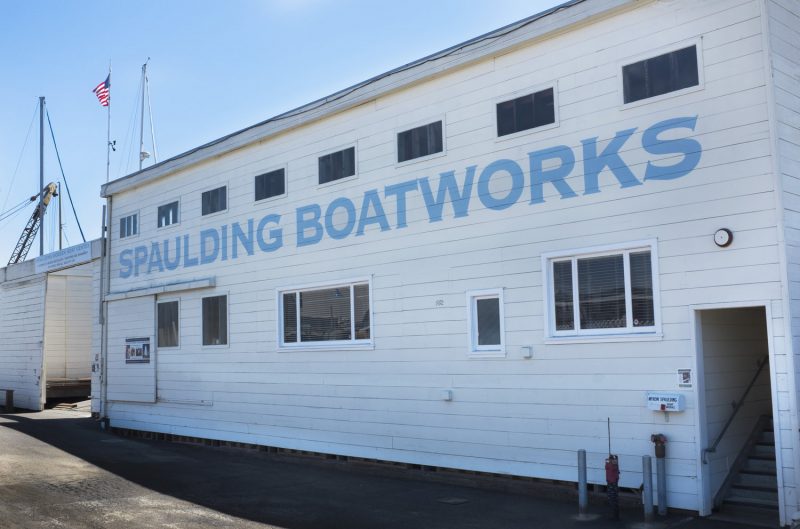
108	130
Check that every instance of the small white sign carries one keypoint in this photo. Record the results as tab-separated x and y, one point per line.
665	401
74	255
684	378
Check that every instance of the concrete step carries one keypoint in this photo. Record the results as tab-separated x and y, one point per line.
756	481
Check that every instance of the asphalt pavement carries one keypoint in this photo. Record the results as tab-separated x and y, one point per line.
58	470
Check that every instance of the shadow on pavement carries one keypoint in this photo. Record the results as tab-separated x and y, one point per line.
303	495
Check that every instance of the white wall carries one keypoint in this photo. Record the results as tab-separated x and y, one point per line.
508	415
783	20
22	317
69	311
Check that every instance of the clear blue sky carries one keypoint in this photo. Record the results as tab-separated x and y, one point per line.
215	67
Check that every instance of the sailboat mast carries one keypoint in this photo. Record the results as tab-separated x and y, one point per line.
41	174
141	117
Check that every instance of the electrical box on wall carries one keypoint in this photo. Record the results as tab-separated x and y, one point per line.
658	401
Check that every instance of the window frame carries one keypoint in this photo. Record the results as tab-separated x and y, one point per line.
476	350
416	124
285	168
227	320
344	147
180	214
138	224
227	187
593	335
520	93
169	299
697	42
352	344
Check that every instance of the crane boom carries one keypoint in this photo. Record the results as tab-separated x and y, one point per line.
29	232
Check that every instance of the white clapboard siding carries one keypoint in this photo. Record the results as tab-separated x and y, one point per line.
131	318
784	41
508	414
68	323
21	335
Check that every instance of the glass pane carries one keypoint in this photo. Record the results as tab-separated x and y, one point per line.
290	318
349	162
361	311
325	315
544	108
562	293
122	230
523	113
435	143
215	320
601	285
488	313
505	118
168	324
642	290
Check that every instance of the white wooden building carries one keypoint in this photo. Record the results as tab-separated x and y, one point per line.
474	260
50	331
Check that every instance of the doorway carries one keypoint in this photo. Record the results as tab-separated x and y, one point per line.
736	442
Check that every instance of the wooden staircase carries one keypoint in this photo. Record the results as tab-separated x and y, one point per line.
756	482
750	495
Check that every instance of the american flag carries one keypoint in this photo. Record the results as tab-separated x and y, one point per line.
103	91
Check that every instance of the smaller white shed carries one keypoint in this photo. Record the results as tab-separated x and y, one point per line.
49	325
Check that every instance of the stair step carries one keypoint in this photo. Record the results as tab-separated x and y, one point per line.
754	502
757	481
760	466
764	451
742	492
767	437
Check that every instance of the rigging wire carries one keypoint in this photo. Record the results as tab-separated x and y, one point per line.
131	134
21	153
152	126
63	176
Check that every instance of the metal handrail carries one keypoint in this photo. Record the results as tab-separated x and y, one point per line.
736	407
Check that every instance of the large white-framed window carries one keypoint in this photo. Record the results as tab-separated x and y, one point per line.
486	322
603	291
327	315
215	320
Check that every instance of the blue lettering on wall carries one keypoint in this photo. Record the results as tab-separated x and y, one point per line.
500	185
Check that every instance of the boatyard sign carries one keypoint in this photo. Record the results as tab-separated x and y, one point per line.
467	189
72	256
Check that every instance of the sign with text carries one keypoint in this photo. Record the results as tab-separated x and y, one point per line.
74	255
137	350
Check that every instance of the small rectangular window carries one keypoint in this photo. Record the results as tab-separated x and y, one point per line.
168	324
336	315
337	165
659	75
602	293
526	112
215	320
271	184
168	214
486	321
214	200
129	225
419	142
